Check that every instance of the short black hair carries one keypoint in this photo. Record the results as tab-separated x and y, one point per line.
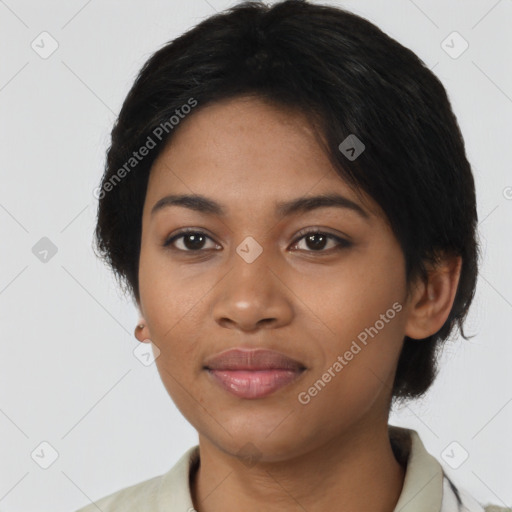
349	78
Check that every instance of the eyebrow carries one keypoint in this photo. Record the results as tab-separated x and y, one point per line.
205	205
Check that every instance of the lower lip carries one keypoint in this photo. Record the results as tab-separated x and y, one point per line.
253	384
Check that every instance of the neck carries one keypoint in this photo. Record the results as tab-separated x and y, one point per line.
362	474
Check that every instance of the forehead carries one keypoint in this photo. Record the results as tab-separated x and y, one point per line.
242	151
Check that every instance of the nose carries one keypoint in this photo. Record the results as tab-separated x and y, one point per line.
253	296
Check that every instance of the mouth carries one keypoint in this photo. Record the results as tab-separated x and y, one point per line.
252	374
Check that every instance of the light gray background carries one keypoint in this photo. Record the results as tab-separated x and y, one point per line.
67	373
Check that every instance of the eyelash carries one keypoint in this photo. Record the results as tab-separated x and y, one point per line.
342	243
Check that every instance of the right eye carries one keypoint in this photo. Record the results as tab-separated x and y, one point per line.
192	241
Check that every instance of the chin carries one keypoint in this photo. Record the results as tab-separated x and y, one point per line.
254	442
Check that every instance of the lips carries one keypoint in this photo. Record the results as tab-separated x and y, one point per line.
255	359
253	374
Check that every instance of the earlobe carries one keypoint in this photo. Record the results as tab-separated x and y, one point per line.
142	332
432	301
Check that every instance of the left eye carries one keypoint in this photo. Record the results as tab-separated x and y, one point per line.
319	239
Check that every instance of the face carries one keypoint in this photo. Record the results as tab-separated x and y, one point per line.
254	276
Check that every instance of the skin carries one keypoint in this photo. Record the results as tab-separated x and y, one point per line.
308	301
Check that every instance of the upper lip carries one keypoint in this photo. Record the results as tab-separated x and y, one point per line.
252	359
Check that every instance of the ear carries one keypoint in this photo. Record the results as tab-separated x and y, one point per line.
431	301
143	334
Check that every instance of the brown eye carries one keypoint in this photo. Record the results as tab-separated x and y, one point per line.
191	241
316	241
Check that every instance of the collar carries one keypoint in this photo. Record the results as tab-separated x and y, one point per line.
422	489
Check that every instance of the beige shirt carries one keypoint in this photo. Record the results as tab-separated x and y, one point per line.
426	488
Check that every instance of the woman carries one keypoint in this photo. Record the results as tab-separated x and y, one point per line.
288	200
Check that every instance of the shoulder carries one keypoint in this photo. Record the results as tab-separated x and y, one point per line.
137	497
169	491
443	495
469	503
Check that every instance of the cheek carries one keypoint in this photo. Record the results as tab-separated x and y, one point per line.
356	372
358	298
363	324
173	309
168	297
